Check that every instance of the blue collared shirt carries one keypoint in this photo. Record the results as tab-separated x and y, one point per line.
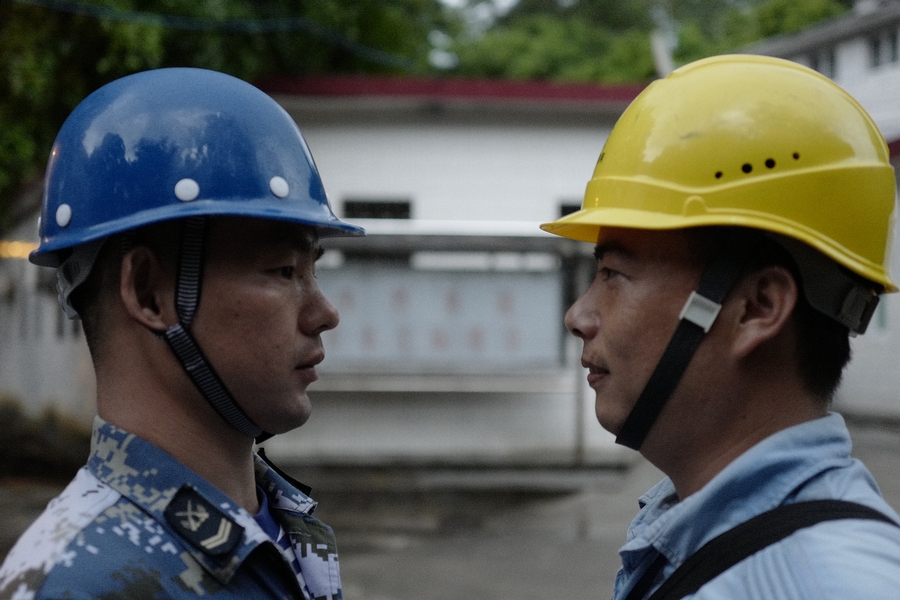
837	560
136	523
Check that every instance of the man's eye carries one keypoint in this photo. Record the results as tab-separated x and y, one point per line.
605	273
287	272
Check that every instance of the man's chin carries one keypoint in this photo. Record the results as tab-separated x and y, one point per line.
611	423
287	420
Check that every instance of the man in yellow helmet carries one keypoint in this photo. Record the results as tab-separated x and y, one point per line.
742	210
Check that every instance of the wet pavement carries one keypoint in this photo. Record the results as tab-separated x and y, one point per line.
539	545
435	534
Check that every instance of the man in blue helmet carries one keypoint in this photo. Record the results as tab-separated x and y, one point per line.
183	212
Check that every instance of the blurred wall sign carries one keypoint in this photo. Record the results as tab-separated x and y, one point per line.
403	319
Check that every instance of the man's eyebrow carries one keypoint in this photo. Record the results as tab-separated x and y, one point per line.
611	247
303	243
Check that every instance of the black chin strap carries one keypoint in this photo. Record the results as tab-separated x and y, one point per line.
697	316
183	344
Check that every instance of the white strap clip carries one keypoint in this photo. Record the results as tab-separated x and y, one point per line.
700	311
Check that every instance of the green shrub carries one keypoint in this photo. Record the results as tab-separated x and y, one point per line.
50	447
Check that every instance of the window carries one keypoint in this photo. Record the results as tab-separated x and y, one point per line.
825	63
880	318
875	51
884	48
894	45
568	207
377	209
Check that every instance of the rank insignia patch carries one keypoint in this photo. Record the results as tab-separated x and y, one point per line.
199	522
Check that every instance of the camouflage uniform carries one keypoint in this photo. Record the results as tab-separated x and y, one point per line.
136	523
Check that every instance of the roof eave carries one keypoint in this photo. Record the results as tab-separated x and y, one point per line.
361	90
829	33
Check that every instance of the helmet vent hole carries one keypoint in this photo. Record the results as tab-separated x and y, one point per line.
770	163
796	155
747	167
718	174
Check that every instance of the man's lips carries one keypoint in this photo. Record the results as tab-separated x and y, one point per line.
307	368
595	374
310	360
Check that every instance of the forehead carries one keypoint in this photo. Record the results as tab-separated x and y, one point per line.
665	247
237	235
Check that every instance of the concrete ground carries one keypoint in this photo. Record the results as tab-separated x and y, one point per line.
545	546
442	534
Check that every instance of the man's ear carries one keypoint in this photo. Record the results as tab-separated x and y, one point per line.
765	299
146	289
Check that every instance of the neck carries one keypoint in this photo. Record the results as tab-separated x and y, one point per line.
178	420
722	431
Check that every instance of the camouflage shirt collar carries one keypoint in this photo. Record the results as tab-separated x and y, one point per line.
150	478
282	494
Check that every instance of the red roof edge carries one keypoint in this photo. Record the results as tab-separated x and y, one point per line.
894	148
459	89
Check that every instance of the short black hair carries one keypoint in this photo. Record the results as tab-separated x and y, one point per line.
89	299
86	299
823	344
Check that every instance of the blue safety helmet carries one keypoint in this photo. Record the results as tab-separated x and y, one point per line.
173	144
176	143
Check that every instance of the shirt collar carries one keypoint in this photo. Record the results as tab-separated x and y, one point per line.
758	480
282	494
151	478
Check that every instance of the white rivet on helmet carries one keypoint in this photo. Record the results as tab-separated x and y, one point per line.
279	187
63	215
187	190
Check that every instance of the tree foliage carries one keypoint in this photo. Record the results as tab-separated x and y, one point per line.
609	40
570	48
51	59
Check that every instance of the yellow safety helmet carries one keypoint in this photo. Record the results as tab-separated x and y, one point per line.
748	141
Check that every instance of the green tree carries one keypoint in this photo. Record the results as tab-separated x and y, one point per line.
545	47
50	59
52	54
706	32
787	16
609	40
613	15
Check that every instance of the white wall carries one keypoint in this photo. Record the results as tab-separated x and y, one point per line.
871	383
852	62
471	172
44	362
552	424
879	92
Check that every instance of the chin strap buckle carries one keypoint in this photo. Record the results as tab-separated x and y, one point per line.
700	311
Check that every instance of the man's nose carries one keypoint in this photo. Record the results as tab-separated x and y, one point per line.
576	319
323	315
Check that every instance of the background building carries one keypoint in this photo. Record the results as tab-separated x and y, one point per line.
451	348
861	52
